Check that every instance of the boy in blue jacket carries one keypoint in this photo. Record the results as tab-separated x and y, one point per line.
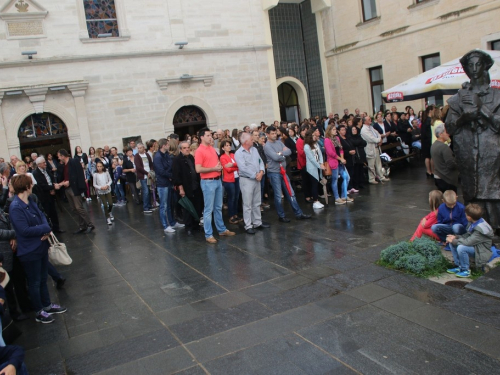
451	218
476	242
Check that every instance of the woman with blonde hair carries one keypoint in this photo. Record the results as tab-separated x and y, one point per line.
425	226
22	168
435	121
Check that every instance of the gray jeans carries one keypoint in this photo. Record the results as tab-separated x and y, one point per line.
250	194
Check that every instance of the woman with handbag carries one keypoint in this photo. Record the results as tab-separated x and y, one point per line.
314	164
32	232
335	158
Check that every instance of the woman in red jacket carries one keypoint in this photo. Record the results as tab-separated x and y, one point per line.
301	164
230	180
425	225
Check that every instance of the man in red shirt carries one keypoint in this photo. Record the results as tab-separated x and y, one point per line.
208	166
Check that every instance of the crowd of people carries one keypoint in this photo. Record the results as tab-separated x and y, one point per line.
191	181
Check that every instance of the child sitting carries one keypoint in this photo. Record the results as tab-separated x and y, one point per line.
435	199
451	217
476	242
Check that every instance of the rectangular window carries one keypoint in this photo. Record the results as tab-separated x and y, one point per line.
430	62
495	45
377	86
100	16
369	9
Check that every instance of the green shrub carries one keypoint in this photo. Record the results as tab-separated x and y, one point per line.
420	257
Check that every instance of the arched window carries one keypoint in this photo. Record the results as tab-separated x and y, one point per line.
188	120
289	103
41	125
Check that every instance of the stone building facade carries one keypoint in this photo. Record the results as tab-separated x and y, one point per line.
113	75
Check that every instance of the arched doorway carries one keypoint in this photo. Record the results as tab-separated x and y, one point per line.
289	103
188	120
42	133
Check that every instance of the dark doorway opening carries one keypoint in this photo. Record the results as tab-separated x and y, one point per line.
188	120
43	133
289	103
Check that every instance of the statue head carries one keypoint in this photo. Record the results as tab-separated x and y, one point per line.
476	64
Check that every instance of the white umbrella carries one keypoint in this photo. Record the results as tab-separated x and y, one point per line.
445	79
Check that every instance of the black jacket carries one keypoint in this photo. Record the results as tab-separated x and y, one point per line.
76	177
182	174
43	188
403	127
360	145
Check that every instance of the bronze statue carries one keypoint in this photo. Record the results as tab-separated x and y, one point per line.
474	122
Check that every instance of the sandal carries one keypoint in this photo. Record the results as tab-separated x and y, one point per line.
233	220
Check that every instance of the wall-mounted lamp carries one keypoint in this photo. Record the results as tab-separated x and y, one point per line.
181	44
28	53
186	76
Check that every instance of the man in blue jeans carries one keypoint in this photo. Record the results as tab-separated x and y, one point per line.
163	167
276	154
208	166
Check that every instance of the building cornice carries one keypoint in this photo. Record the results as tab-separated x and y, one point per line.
130	55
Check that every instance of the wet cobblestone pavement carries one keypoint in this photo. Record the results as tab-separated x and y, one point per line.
298	298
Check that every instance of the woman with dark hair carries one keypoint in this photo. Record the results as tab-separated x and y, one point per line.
91	151
426	137
349	152
32	231
288	142
235	138
230	180
81	156
292	134
335	158
195	139
314	164
357	175
411	115
129	170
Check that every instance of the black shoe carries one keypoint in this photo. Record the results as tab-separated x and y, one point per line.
59	231
20	317
80	231
60	283
284	219
89	229
250	231
262	226
303	217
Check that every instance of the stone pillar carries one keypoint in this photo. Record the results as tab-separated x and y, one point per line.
317	7
4	149
82	138
37	98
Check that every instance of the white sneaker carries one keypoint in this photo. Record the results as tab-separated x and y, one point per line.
318	205
201	220
111	217
169	230
178	225
108	220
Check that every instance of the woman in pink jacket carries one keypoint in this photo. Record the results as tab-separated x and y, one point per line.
336	161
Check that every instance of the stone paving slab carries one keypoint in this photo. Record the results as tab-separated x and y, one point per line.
303	297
